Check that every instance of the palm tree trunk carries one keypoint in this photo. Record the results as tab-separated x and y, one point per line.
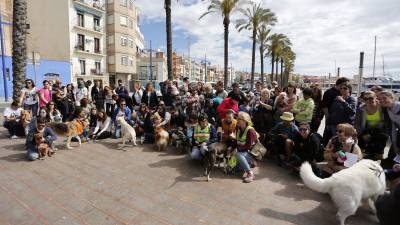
253	59
276	69
262	63
226	39
282	72
19	46
273	64
169	37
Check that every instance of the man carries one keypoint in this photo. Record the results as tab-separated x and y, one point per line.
230	103
31	144
80	93
121	111
98	95
121	90
304	108
204	134
327	101
236	90
228	126
307	147
284	133
219	90
185	85
12	120
258	88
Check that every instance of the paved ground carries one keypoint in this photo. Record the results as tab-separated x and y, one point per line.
97	184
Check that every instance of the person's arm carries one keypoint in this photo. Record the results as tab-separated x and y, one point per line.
96	128
309	110
328	153
296	108
350	105
93	94
106	125
50	136
251	140
166	119
22	97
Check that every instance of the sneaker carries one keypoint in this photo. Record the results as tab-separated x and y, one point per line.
249	178
14	137
244	175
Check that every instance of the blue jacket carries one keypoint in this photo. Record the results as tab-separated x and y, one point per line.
343	112
127	117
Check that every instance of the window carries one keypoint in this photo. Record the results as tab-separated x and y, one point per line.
130	4
82	64
81	19
96	23
110	39
123	21
130	23
98	67
124	60
110	19
130	61
130	42
81	42
123	3
96	45
124	41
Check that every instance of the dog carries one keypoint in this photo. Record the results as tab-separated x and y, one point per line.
363	181
42	146
217	152
128	133
387	207
26	117
69	130
162	138
178	139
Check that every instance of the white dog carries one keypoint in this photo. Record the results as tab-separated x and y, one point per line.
347	188
127	132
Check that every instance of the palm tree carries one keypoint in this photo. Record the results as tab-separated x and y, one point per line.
19	46
167	6
262	37
225	7
277	41
255	17
288	58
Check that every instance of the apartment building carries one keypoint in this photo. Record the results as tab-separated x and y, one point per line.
154	69
124	40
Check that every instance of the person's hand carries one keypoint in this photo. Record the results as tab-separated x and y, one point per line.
340	99
396	167
366	137
203	144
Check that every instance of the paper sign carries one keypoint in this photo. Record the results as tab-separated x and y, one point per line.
351	159
397	158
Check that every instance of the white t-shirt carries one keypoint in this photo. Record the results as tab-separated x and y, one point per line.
30	96
9	112
80	94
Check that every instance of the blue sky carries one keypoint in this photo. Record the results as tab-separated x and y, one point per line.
322	32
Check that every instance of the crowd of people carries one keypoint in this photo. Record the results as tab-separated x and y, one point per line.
284	120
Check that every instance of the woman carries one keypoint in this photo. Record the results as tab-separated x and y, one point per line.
338	147
285	101
263	113
103	126
12	120
343	108
44	94
150	96
164	114
92	120
246	138
54	114
85	107
97	94
121	111
41	115
317	114
370	126
137	95
108	99
69	93
29	98
80	93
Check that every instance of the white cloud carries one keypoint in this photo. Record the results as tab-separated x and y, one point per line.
321	32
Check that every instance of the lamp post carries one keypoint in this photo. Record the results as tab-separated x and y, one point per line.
150	50
205	62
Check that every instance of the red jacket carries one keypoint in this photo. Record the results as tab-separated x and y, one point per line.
225	106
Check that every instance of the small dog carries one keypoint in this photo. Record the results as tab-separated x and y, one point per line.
26	117
128	133
178	139
216	152
69	130
162	138
363	181
42	146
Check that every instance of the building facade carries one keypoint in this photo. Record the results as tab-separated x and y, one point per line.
154	69
124	40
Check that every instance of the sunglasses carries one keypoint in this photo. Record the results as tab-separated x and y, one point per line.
28	82
344	88
123	104
369	99
340	131
303	129
41	125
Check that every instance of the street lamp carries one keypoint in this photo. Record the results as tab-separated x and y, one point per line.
150	50
205	62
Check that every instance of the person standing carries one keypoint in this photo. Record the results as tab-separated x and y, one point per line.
304	108
137	95
98	95
219	90
29	98
80	93
317	113
44	94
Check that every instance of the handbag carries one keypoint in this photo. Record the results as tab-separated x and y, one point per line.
258	151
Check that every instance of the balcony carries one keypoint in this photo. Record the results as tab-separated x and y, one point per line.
82	50
97	30
96	72
95	7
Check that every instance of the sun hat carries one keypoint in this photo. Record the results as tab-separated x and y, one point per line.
287	116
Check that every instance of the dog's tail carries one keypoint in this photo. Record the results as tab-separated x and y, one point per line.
311	180
59	128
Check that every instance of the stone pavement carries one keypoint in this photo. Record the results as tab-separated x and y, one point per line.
98	184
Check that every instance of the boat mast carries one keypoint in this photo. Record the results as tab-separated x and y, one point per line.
373	72
383	65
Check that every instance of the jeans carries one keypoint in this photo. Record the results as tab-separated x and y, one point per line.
117	131
14	128
244	158
33	152
33	108
198	152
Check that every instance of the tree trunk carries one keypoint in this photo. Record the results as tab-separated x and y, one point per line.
273	64
276	69
262	63
19	46
253	59
169	38
282	72
226	39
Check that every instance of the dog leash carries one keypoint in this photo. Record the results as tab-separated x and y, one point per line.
376	170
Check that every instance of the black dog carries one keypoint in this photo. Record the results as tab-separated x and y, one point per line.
388	207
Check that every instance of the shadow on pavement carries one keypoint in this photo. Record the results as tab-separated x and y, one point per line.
17	157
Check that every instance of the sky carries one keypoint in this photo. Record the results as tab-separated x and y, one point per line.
324	33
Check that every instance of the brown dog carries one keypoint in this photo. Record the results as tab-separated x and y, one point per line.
162	138
42	146
69	130
26	116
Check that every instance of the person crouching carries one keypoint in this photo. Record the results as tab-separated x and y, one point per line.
31	144
204	134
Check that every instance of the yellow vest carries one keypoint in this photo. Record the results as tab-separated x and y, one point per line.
202	135
242	139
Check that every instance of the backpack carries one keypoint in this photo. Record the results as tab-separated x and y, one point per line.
319	154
